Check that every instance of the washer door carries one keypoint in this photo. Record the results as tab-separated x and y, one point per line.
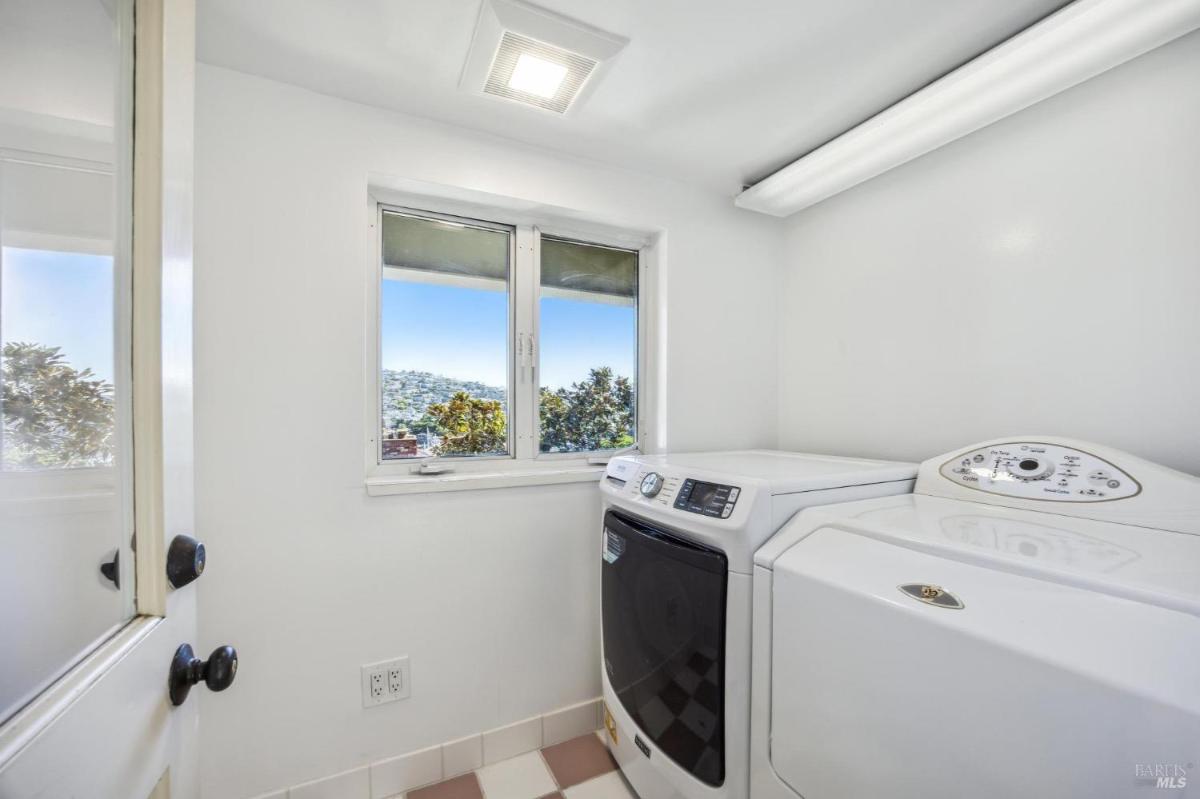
664	640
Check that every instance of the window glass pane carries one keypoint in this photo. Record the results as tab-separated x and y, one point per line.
588	347
443	338
66	567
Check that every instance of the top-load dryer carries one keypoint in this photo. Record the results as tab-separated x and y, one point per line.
680	532
1027	623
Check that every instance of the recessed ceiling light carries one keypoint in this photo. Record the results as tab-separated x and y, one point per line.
537	73
534	75
531	55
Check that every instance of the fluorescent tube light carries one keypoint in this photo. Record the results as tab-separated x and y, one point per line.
1081	41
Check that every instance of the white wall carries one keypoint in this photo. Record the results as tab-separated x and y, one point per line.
1041	275
493	594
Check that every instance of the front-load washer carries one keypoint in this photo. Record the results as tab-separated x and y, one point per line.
680	532
1027	623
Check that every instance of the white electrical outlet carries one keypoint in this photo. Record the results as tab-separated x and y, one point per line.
395	680
386	681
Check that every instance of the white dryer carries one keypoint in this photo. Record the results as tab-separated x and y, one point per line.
1027	623
680	532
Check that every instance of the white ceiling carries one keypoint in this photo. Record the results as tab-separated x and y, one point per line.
713	93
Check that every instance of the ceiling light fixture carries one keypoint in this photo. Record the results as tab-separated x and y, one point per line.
534	75
1065	49
525	53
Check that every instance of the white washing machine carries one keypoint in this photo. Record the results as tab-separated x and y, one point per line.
680	532
1027	623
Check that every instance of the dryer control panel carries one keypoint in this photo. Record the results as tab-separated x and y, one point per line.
709	499
1033	470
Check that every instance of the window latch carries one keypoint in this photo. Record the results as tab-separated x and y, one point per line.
525	356
521	356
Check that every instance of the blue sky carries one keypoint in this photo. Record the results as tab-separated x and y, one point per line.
66	300
60	299
461	333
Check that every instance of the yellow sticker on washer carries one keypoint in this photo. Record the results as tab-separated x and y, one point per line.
610	724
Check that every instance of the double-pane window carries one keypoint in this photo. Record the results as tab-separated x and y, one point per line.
498	341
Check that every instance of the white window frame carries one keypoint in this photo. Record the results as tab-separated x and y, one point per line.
524	464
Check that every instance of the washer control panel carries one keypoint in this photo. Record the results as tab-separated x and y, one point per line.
1031	470
709	499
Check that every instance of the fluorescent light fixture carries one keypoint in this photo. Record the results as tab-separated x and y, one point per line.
536	76
1081	41
531	55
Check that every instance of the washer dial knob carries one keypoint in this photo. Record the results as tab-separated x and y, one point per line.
651	484
1031	468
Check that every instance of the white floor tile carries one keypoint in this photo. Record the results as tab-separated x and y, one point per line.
524	777
606	786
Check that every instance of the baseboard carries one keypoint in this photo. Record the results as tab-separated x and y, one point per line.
393	776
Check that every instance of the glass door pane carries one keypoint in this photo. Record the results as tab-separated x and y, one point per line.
64	363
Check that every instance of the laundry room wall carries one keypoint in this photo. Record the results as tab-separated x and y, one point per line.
493	594
1039	276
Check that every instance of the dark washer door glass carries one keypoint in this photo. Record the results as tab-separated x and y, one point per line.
664	640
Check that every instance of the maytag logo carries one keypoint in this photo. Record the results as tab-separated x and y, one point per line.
1161	775
637	739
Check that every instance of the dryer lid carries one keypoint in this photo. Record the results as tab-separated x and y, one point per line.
874	693
1156	566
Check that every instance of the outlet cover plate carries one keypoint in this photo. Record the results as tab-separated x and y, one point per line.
386	681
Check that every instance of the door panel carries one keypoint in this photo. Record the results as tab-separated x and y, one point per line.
106	728
664	602
65	494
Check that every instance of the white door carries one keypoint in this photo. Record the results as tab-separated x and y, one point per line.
95	375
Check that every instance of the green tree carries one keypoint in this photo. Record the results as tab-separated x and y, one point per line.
423	423
596	413
55	416
470	425
395	407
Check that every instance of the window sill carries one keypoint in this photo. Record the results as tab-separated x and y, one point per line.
471	481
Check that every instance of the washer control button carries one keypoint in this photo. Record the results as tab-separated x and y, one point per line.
728	509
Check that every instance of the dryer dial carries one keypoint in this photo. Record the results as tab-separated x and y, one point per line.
651	484
1030	468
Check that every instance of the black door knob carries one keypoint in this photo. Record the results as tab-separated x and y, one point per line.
187	670
185	560
112	569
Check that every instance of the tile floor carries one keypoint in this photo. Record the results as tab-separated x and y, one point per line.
580	768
